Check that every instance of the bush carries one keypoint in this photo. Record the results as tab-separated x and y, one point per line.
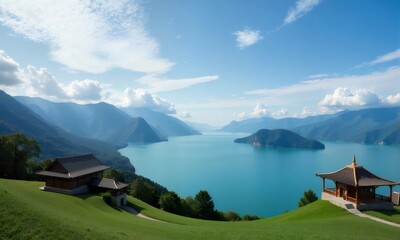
107	198
308	197
170	202
232	216
248	217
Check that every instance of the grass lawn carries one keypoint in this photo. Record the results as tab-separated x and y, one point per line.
28	213
390	215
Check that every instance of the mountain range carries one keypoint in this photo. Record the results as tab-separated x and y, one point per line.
54	141
370	126
164	124
102	121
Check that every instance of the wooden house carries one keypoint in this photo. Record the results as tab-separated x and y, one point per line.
81	174
356	185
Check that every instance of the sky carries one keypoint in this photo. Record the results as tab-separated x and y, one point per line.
205	61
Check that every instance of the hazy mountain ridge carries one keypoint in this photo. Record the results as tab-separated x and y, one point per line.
135	131
279	138
254	124
371	126
100	121
54	141
164	124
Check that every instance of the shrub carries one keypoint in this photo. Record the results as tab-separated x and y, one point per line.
107	198
248	217
232	216
308	197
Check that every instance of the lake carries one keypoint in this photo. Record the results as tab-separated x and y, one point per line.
262	181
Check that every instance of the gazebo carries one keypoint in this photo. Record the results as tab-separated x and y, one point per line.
355	184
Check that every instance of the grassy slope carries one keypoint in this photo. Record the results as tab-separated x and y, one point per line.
26	213
390	215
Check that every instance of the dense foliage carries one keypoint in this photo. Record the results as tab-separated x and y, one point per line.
309	196
170	202
16	153
280	138
107	198
114	174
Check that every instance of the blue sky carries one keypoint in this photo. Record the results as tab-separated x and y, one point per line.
205	61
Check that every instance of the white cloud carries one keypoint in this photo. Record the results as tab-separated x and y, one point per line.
321	75
393	99
9	70
84	90
240	116
154	83
283	112
90	36
302	8
247	37
142	98
344	98
44	83
184	114
260	110
388	57
378	81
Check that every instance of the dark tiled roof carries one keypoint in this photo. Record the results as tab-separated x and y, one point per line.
107	183
354	175
76	166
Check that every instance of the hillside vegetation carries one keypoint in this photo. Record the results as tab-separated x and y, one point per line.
280	138
28	213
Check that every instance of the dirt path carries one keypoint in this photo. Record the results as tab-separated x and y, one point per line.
134	212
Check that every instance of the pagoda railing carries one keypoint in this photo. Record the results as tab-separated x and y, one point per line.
331	191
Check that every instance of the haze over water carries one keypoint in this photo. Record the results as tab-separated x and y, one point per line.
262	181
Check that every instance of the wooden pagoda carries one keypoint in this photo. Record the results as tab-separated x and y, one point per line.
357	185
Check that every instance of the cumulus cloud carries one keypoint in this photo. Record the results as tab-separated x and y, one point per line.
344	98
9	70
388	57
302	8
142	98
155	83
283	112
393	99
260	110
240	116
43	82
86	89
184	114
247	37
90	36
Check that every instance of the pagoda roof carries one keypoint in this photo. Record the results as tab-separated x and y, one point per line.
357	176
107	183
72	167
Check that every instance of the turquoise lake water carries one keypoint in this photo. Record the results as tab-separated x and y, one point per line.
244	179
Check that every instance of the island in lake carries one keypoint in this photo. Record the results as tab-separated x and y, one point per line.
280	138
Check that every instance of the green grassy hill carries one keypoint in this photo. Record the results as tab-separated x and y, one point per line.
28	213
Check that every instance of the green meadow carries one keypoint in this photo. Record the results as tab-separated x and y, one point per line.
28	213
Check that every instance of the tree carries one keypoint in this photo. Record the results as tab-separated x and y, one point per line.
45	164
204	205
170	202
115	174
308	197
141	190
15	150
188	205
